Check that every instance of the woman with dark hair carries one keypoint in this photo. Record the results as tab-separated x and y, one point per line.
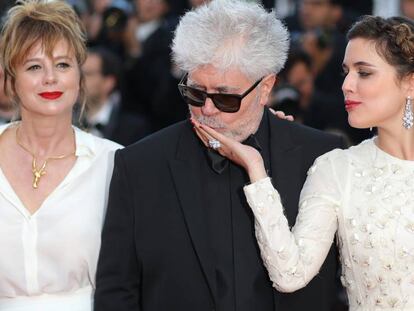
53	177
364	195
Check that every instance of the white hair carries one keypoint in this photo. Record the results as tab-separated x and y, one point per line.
231	33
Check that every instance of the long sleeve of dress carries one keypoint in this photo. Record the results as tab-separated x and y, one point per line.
293	258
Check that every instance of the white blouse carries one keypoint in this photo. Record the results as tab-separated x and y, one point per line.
48	259
366	197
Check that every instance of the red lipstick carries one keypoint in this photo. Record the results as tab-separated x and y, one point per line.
51	95
351	104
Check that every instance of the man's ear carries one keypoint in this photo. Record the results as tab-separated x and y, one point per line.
266	87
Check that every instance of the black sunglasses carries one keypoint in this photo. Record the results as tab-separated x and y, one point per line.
223	102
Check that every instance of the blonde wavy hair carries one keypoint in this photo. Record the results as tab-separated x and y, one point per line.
32	21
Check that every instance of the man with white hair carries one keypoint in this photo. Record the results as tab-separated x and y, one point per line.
178	234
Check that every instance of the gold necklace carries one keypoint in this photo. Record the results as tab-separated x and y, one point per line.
38	173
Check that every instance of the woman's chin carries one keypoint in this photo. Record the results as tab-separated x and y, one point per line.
359	124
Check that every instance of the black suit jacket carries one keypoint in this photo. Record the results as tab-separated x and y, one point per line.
154	255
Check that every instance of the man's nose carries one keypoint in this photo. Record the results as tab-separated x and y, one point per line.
209	108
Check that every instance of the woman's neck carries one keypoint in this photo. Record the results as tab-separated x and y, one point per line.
46	136
399	143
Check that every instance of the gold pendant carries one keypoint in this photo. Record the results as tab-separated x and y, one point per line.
37	173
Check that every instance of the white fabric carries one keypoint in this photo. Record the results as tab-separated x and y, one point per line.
80	300
54	251
367	197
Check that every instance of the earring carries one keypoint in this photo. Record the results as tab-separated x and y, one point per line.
408	114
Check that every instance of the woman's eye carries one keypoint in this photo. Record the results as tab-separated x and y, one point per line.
364	73
33	67
63	65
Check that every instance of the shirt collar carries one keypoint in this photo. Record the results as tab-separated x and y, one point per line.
85	143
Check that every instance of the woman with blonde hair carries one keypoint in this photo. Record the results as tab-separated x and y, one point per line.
53	176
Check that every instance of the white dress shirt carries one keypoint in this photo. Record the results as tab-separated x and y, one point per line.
366	197
48	259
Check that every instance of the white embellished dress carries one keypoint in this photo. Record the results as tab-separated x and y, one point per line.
366	197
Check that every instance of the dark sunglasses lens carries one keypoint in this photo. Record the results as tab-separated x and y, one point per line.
193	97
226	103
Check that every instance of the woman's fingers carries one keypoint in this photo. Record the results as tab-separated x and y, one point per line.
246	156
202	136
290	118
281	115
207	137
208	133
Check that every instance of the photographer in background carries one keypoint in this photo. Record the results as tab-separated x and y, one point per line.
295	94
109	27
315	30
149	82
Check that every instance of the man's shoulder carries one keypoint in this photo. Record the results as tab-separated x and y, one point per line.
304	135
163	141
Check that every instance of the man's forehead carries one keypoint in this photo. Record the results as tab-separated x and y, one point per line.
214	78
220	86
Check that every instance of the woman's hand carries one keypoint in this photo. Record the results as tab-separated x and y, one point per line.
245	156
281	115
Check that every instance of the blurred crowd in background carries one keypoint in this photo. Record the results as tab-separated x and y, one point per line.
132	83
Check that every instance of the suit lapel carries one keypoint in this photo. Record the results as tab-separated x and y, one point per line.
185	170
286	165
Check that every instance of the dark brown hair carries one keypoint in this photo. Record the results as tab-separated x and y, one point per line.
393	38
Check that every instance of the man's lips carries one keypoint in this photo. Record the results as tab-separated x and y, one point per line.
51	95
350	104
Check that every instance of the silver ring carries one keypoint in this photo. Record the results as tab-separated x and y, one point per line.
214	143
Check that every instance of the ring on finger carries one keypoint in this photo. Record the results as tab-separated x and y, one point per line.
214	144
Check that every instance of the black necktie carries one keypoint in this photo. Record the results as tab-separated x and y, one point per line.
219	163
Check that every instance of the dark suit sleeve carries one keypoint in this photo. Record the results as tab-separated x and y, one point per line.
117	279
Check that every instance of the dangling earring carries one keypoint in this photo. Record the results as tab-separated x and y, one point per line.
408	114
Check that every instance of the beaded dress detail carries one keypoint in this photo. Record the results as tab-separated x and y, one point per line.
366	197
